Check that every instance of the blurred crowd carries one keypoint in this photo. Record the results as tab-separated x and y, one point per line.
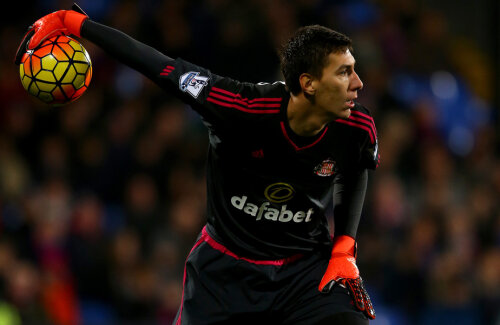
101	200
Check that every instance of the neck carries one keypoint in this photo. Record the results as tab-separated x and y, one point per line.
303	117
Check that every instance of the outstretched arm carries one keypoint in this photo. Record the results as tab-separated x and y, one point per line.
222	102
125	49
122	47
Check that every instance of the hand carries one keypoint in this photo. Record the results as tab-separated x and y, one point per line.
62	22
342	270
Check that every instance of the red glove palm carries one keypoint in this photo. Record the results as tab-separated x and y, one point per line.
62	22
342	269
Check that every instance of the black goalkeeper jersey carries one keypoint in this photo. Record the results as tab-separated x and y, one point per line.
267	187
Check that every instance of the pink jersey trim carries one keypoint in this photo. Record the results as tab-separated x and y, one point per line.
242	101
198	243
244	109
283	129
364	127
363	121
205	238
221	248
366	116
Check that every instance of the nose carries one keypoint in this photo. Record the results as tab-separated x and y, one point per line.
356	83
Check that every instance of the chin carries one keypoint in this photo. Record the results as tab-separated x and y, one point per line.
345	113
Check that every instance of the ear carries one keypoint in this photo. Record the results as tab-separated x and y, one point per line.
306	83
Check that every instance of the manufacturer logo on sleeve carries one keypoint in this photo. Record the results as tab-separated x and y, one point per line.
192	83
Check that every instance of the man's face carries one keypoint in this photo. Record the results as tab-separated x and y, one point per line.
338	86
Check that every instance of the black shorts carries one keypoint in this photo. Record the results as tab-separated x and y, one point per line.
222	288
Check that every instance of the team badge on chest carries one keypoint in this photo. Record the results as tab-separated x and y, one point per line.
325	168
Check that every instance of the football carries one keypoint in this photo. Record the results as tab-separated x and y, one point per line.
57	72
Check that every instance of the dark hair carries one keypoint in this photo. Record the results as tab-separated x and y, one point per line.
307	51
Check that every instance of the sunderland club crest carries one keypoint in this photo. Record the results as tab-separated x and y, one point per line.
325	168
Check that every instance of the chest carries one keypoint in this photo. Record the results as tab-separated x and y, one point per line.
271	152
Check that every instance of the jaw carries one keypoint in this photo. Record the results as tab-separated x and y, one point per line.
342	109
345	113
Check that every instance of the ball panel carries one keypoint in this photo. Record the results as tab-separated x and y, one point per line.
33	89
35	65
59	53
43	51
79	81
49	62
21	70
68	89
81	67
48	42
46	76
45	86
26	56
62	39
79	57
88	76
26	67
60	69
58	94
75	45
70	75
67	49
79	92
45	97
26	80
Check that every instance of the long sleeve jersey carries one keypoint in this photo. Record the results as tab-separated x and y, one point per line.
267	188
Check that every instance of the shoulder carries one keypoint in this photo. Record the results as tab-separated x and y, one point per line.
262	99
361	120
362	109
263	91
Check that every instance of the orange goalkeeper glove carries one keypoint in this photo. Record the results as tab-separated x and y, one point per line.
62	22
342	270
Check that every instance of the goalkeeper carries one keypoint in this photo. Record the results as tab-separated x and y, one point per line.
279	154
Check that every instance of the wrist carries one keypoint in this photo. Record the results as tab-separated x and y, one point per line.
344	244
74	21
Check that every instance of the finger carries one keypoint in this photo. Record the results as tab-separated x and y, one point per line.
353	285
23	46
370	311
328	286
41	35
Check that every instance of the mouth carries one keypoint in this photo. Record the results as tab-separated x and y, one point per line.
350	103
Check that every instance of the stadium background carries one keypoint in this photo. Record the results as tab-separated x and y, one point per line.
101	200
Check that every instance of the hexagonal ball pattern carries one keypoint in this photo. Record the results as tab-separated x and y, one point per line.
57	72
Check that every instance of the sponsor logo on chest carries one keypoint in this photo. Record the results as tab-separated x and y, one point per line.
276	193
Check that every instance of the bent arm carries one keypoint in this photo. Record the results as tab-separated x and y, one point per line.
349	194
